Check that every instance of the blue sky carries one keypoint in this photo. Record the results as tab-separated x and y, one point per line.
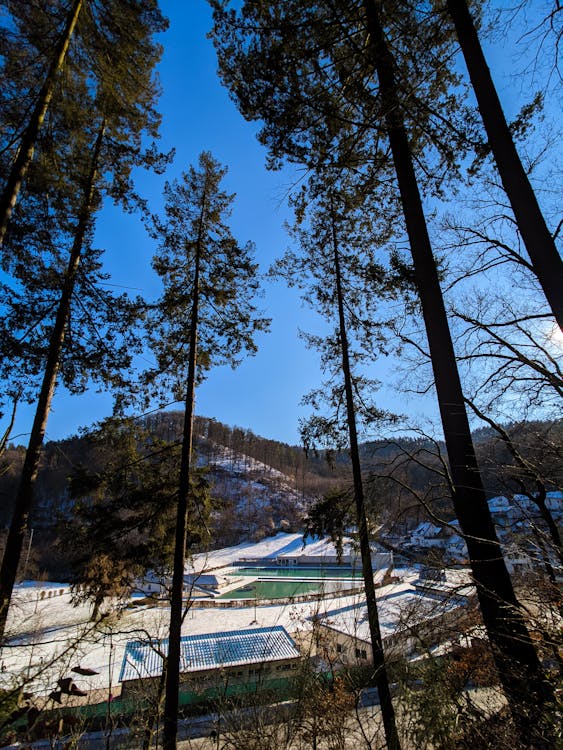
263	394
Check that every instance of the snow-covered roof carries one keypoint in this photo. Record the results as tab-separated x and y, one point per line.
203	579
397	611
209	651
499	504
456	541
427	529
554	502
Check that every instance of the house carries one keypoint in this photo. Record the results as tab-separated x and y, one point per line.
522	508
153	584
212	664
206	583
428	535
519	559
408	618
554	503
456	550
195	584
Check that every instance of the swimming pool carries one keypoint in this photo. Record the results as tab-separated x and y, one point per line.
322	573
284	583
273	590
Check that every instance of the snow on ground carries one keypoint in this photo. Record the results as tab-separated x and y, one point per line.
252	473
231	461
280	545
270	547
49	636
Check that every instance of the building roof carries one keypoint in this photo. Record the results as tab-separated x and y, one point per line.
398	610
427	530
209	651
204	579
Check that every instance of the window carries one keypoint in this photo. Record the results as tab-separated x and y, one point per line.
339	648
361	653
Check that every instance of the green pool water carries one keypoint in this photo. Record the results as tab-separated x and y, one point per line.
301	573
273	590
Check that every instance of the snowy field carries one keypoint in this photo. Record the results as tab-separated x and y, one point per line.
49	636
280	545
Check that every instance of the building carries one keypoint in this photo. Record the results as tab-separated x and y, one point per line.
321	552
226	663
427	535
195	584
204	583
409	619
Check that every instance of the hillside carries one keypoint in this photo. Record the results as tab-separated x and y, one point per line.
260	486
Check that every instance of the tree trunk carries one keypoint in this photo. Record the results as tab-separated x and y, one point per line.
540	501
540	245
175	631
24	499
539	498
98	601
380	671
29	137
517	662
8	431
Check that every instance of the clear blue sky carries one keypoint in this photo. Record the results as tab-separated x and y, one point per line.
263	394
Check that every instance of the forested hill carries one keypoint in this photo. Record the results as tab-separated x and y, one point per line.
400	469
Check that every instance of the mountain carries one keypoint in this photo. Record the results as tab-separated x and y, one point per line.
260	486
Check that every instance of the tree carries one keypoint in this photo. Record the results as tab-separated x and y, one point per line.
93	153
331	242
121	522
36	46
311	88
546	261
28	139
51	364
205	317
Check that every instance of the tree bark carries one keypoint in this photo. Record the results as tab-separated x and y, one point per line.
540	245
380	670
172	690
27	146
540	496
24	499
518	665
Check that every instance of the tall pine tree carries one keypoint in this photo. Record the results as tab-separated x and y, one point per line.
336	261
39	43
205	317
368	91
56	309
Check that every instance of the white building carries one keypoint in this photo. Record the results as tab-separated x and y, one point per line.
408	617
224	663
427	535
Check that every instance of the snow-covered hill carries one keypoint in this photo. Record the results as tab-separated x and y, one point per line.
252	498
